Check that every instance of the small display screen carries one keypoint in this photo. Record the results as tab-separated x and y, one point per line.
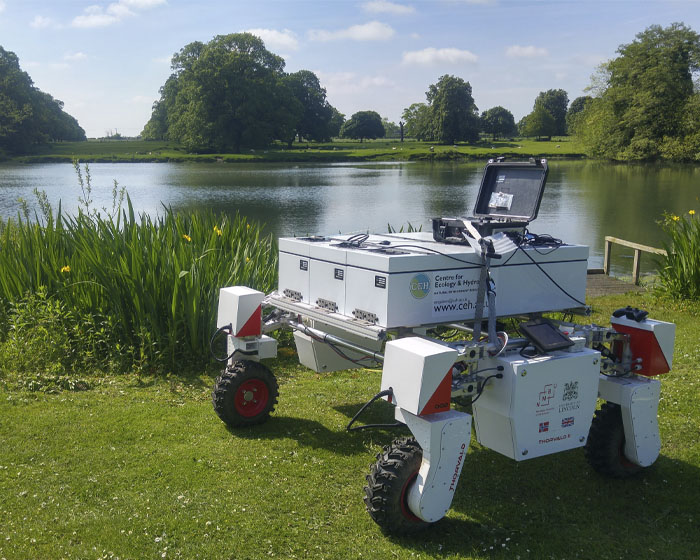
545	336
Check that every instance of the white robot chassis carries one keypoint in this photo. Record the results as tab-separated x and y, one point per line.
361	300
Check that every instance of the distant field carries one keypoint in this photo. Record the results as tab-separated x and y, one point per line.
371	150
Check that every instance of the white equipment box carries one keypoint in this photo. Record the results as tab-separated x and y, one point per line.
541	405
408	279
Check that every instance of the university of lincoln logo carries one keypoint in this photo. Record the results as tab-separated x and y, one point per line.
570	391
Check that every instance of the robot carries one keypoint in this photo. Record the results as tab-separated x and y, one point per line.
359	300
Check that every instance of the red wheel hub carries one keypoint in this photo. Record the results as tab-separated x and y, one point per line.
407	513
251	398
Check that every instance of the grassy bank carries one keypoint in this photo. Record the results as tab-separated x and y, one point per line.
374	150
142	468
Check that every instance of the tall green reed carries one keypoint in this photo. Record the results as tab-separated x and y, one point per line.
151	283
679	270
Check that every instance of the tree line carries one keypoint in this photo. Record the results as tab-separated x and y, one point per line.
29	116
232	94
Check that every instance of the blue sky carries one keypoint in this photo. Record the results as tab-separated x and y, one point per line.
106	60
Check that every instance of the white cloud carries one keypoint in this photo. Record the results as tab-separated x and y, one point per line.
59	66
2	6
432	56
340	83
98	16
516	51
371	31
385	7
275	39
162	60
73	57
41	22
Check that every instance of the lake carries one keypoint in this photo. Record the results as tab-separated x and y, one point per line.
583	201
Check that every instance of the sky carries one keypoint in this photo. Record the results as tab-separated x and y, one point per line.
107	60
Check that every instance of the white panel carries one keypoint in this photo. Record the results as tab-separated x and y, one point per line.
413	368
541	406
450	278
236	305
444	438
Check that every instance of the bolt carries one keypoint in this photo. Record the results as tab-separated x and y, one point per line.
524	452
523	373
595	362
582	439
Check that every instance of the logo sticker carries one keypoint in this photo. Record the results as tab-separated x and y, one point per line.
419	286
567	422
544	427
570	391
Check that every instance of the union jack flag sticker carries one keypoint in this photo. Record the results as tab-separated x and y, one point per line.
544	427
567	422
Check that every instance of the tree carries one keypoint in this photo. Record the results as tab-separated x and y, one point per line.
417	121
498	122
642	96
454	115
315	119
391	130
29	116
227	94
538	123
574	112
335	124
363	124
555	102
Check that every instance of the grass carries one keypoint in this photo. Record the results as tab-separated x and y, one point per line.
142	468
375	150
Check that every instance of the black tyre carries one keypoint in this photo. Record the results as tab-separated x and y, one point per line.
387	487
245	394
605	448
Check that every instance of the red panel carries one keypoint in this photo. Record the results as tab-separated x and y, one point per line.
644	345
253	326
440	401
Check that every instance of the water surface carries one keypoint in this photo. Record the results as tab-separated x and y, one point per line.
583	202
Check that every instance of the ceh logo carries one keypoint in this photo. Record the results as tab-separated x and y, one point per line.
419	286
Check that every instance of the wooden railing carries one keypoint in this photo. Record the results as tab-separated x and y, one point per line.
638	249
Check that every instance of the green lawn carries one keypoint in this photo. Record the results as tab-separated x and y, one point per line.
142	468
371	150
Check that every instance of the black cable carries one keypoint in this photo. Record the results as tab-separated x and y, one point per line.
552	280
483	385
529	356
386	393
229	330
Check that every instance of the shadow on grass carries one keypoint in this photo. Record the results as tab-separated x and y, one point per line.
309	433
513	508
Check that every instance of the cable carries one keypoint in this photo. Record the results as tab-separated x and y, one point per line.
386	393
552	280
227	329
483	385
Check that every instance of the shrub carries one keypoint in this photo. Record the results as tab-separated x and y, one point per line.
680	269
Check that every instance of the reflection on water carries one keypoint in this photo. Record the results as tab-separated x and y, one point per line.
583	201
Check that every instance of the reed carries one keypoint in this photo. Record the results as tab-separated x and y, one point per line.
679	271
149	285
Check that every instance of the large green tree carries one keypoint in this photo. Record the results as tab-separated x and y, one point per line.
363	124
538	123
574	112
453	113
314	122
644	99
555	102
417	119
232	93
29	116
498	121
